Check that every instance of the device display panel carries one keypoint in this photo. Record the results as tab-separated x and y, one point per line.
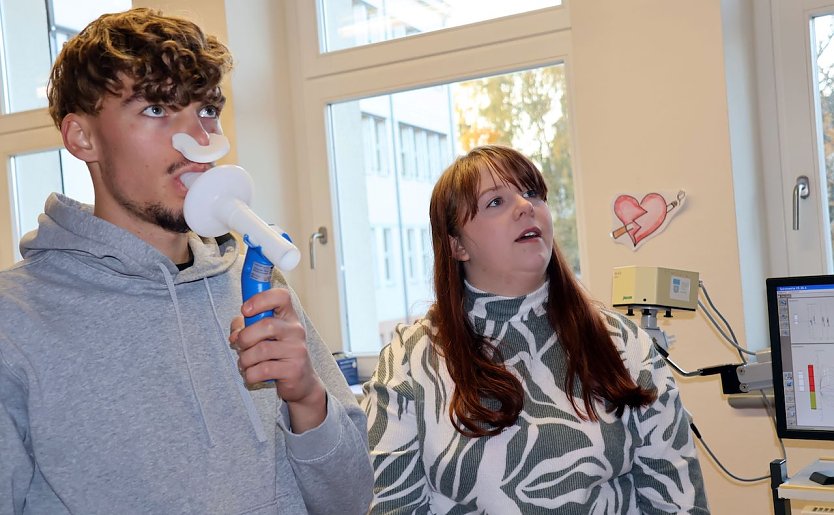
801	319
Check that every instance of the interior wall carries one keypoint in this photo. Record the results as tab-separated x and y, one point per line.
652	114
263	114
745	148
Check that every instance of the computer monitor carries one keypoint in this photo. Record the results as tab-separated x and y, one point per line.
801	316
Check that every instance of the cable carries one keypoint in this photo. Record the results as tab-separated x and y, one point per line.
717	462
727	371
718	328
709	301
732	341
665	355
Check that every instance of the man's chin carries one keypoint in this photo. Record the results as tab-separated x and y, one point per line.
176	226
172	222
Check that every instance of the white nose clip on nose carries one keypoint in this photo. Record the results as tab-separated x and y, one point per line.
187	146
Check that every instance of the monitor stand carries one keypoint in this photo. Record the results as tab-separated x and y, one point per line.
801	486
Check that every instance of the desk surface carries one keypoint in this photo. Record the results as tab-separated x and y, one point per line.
801	487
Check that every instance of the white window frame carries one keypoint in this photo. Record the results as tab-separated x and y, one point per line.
522	41
20	133
789	132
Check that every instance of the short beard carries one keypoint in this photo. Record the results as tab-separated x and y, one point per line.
157	214
151	212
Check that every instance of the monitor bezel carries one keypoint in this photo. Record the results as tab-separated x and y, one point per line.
772	285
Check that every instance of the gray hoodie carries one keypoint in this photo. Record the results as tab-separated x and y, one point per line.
119	392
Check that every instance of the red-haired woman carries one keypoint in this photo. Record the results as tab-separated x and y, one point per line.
516	394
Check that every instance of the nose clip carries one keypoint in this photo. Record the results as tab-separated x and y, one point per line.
217	147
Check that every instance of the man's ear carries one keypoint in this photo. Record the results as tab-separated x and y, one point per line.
458	251
76	133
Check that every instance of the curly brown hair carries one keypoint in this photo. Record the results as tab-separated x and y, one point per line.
170	59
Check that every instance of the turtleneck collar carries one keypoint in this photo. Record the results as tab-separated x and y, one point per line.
481	305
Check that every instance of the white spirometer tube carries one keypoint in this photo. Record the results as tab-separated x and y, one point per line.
218	202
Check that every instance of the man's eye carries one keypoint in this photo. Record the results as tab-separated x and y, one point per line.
209	112
154	111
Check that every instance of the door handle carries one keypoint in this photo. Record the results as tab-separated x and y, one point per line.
801	190
321	237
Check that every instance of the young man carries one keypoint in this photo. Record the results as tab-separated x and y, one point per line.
127	381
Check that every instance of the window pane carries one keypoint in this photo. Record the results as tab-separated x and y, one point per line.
823	29
30	42
525	110
35	176
352	23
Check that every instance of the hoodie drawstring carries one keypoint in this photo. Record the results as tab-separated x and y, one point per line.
172	291
248	403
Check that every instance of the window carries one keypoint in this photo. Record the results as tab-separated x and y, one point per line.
387	256
422	147
36	175
797	142
31	34
430	91
823	55
375	145
408	151
366	24
375	259
411	253
381	20
465	114
428	257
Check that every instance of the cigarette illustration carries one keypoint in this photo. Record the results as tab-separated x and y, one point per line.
641	219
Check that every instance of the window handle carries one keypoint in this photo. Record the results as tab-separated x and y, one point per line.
321	236
800	190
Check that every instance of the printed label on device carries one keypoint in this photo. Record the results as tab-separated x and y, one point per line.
261	272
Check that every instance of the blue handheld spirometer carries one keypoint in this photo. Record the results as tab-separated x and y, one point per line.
256	276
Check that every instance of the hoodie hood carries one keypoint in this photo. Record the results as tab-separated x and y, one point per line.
70	226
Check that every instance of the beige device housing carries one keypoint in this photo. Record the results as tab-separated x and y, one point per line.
654	286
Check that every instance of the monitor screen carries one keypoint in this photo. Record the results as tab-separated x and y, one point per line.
801	316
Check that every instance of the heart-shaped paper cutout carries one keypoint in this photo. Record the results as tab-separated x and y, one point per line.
640	218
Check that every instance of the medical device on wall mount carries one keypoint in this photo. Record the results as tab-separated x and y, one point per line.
655	289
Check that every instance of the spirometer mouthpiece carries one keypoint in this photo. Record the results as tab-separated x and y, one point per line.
218	202
218	147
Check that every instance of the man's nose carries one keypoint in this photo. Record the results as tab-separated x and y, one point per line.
192	125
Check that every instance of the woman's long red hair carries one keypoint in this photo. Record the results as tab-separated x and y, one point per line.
487	396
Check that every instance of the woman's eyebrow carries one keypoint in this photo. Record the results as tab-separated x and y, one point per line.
489	190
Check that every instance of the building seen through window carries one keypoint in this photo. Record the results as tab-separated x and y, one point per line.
426	128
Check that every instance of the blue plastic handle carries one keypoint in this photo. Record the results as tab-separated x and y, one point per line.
256	277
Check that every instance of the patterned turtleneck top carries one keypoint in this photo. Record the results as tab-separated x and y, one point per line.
550	461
